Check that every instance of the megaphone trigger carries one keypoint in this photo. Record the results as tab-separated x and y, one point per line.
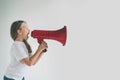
39	40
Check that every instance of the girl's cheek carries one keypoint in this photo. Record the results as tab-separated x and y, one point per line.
26	31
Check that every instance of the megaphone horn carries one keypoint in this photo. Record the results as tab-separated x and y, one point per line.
58	35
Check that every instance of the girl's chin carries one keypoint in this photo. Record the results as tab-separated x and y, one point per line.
26	38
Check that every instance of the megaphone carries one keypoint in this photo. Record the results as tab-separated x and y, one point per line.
59	35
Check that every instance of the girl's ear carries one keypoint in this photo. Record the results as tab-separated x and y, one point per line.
19	31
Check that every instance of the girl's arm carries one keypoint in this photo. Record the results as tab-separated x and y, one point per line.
33	59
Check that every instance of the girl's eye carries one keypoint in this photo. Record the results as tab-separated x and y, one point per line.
20	28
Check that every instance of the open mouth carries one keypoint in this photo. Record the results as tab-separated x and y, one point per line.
28	35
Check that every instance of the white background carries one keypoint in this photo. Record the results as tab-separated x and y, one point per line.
92	51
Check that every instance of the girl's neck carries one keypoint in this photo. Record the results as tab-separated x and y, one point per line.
19	39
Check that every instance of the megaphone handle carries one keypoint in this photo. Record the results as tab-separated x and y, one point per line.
40	41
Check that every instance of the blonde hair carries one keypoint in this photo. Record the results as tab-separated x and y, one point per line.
13	32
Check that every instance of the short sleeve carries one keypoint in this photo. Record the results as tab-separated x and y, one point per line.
20	51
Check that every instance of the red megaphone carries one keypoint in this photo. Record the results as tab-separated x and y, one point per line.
58	35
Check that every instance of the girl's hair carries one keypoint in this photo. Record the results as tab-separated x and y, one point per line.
13	32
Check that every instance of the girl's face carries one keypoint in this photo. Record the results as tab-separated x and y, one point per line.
23	31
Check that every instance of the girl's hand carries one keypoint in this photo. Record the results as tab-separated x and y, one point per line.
42	46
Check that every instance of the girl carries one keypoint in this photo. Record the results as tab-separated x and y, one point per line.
21	52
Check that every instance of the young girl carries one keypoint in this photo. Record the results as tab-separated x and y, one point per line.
21	52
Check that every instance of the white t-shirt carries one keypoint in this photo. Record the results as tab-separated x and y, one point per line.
17	68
